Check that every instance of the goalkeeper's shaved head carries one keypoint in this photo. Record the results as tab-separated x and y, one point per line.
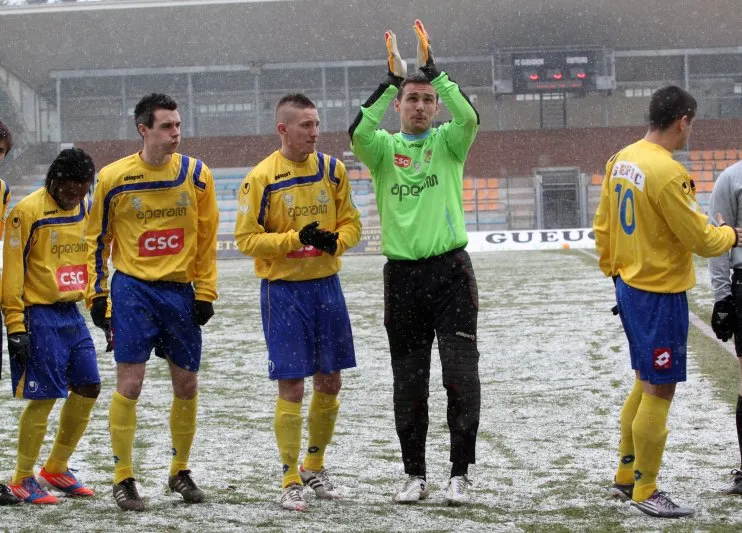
288	104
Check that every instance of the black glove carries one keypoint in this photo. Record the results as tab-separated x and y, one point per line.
19	347
202	312
311	235
614	309
723	318
98	313
109	338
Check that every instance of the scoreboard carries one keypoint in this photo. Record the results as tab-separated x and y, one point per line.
535	72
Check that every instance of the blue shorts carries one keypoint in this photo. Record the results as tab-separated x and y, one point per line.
62	353
154	314
656	325
306	327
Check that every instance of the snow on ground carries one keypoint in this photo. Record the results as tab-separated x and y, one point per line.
554	370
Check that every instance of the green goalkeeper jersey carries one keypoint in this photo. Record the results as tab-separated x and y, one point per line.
418	179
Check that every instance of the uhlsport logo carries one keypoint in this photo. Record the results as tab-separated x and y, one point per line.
402	190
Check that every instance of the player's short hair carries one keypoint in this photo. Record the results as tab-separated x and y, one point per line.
144	112
299	100
72	164
414	78
669	104
6	136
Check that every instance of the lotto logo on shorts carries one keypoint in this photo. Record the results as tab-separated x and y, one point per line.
161	242
304	251
662	359
402	160
72	278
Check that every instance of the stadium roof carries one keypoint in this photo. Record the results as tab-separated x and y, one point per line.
145	34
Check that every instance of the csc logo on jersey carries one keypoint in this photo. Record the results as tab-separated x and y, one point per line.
161	242
402	160
72	278
304	251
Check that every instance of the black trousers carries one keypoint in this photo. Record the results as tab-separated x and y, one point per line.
435	297
737	297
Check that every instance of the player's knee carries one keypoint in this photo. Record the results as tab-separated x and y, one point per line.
185	389
91	390
460	364
328	383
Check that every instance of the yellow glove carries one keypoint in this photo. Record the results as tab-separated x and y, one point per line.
397	66
425	60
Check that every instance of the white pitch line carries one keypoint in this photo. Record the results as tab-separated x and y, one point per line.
694	320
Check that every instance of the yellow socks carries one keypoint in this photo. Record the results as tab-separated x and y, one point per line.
650	434
323	411
182	429
122	423
287	424
31	433
625	472
73	419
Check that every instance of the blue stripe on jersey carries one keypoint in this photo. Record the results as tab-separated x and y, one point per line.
6	195
129	187
197	174
333	163
48	222
303	180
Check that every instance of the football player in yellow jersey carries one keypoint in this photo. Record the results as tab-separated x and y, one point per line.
647	227
296	217
6	143
50	348
155	212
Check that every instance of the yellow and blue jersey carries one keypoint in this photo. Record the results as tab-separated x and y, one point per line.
648	223
156	223
278	198
44	256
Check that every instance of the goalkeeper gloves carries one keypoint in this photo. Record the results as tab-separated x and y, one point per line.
202	312
724	318
396	65
425	60
311	235
19	347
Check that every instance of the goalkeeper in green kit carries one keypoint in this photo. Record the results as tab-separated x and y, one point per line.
429	285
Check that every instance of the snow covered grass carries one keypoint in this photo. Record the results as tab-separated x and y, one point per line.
554	370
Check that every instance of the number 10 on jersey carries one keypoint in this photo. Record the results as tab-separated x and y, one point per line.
626	208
